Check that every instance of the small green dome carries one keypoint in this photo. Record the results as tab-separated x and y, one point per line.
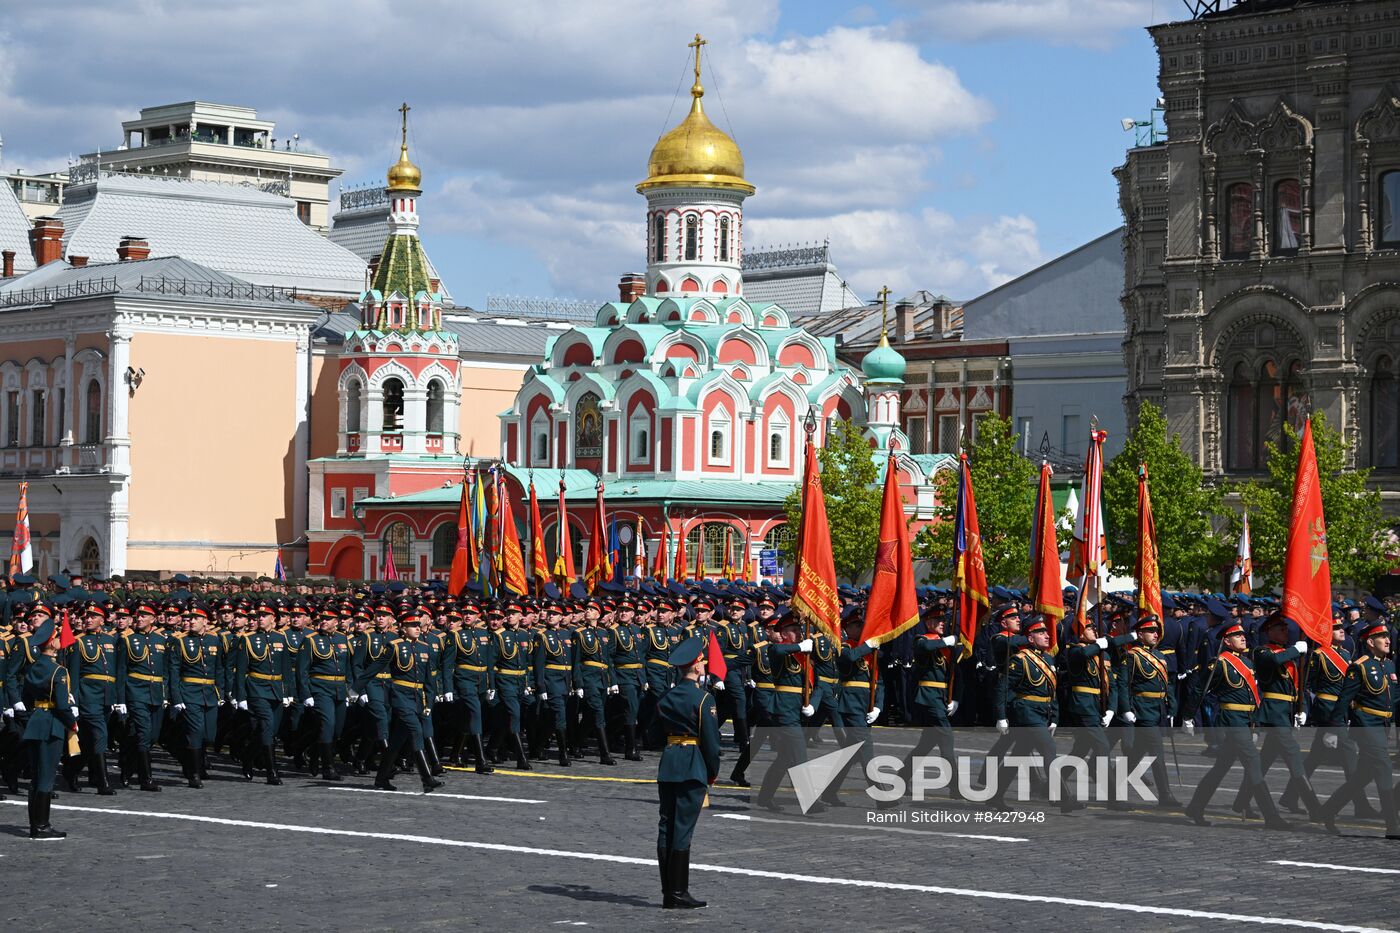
884	363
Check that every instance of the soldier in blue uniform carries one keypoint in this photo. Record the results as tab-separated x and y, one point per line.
411	680
511	676
1367	699
142	693
196	669
92	667
259	683
689	765
323	667
553	677
371	665
45	693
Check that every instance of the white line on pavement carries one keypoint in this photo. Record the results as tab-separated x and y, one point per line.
419	793
877	829
1362	868
650	864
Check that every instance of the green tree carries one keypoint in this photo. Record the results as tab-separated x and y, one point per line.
851	489
1357	529
1189	550
1003	483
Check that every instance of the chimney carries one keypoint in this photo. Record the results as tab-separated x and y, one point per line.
631	287
132	248
434	285
77	262
46	240
903	322
8	256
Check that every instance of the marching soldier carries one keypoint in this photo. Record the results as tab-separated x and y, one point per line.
92	666
511	678
628	646
689	765
412	679
1367	699
935	663
322	672
553	678
259	685
788	685
52	717
469	658
142	692
195	673
858	700
1147	703
731	698
593	676
371	665
1027	701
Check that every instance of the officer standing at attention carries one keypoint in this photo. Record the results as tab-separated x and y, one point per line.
323	666
141	692
92	666
52	716
689	764
196	668
259	689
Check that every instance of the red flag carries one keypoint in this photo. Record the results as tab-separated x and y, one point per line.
539	563
727	571
1148	580
893	606
1047	586
969	570
66	638
714	659
1307	573
814	596
512	562
639	543
21	550
681	568
461	555
599	561
564	546
391	572
700	571
659	563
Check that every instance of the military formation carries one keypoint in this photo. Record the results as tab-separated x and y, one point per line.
328	679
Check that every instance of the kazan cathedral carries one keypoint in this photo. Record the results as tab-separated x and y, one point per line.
688	403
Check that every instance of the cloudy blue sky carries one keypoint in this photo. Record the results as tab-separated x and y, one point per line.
939	144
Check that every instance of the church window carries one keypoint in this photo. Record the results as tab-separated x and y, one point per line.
779	439
724	239
92	427
90	558
1239	220
719	437
398	539
393	405
539	439
658	239
444	545
639	446
12	418
436	401
352	408
692	236
588	426
1390	209
1288	217
1385	415
1242	431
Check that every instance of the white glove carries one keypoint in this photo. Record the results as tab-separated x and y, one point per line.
286	702
950	641
719	685
1003	727
871	716
221	702
809	710
119	709
179	707
646	687
751	684
1107	718
1330	740
952	707
1132	636
1053	727
1129	717
872	643
805	646
437	698
448	696
1102	643
309	702
165	704
364	699
529	691
1300	646
9	713
613	690
18	707
579	693
242	704
1188	727
491	694
544	695
74	711
1300	720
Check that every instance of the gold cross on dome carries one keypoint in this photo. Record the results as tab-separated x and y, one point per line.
884	295
699	41
403	111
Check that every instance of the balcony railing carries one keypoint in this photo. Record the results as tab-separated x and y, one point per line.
51	460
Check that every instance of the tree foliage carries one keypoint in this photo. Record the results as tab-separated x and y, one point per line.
850	486
1357	529
1190	552
1003	483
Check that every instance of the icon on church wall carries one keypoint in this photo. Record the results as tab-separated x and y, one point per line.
588	427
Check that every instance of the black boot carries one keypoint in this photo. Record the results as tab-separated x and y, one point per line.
424	772
679	865
328	772
386	771
72	773
187	765
97	767
40	805
456	757
434	763
483	766
604	756
1272	820
630	743
668	899
203	757
143	769
521	762
247	759
273	777
361	757
559	736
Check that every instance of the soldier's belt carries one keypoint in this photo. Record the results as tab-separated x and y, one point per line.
412	685
43	704
1239	707
1382	713
1280	696
828	680
1150	694
382	675
479	668
1166	650
659	661
763	684
628	667
149	678
682	740
513	673
1030	699
857	683
1093	690
203	681
594	664
258	675
105	678
1330	697
783	688
933	683
558	667
338	678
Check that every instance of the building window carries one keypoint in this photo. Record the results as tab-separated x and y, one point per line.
1242	432
724	239
1390	209
398	539
658	239
444	545
1288	217
639	438
779	439
92	427
692	236
90	558
714	538
337	503
719	437
1072	439
12	418
780	539
588	426
436	396
304	212
1239	220
1023	434
915	429
947	434
393	405
1385	415
352	408
36	419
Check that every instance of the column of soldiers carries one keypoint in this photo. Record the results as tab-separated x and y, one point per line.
333	679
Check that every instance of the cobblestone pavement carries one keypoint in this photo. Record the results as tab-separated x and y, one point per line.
557	849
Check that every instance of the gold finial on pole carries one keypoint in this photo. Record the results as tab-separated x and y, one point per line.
884	296
697	89
403	137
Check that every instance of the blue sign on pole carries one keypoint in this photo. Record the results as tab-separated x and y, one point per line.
768	562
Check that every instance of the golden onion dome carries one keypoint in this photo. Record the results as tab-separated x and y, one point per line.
696	154
403	174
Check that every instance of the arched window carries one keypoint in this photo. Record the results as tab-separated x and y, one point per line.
1239	220
393	405
692	236
398	539
1295	398
444	546
1242	430
658	239
588	426
92	428
436	395
780	539
1271	408
724	239
779	439
539	439
719	437
639	437
1288	217
714	537
1389	192
352	408
37	410
90	558
1385	415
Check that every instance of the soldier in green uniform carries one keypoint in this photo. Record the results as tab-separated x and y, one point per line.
1146	704
259	689
372	677
788	686
935	661
731	694
412	679
553	677
663	636
323	666
593	675
628	647
1091	697
510	674
142	692
689	765
196	669
52	716
1368	699
92	666
1027	702
860	695
470	659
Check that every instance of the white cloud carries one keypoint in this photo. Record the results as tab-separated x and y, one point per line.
1088	23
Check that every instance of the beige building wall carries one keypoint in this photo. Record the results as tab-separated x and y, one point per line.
213	456
325	405
486	392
